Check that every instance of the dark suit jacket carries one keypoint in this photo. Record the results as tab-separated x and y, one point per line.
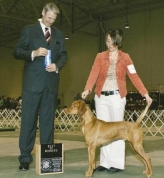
35	76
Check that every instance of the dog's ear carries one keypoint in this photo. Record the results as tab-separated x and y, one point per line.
82	109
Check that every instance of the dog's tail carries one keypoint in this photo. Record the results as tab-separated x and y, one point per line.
142	115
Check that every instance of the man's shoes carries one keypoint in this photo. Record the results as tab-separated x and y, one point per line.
113	170
24	166
100	168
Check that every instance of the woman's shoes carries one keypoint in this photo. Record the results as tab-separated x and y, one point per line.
100	168
110	170
113	170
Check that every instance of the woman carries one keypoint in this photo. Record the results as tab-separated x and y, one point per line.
109	74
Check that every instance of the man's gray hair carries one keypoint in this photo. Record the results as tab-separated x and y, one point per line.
51	7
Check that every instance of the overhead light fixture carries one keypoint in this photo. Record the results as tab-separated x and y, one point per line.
66	37
126	23
114	1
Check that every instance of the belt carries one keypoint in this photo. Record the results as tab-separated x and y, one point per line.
107	93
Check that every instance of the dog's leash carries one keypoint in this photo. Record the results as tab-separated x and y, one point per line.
78	97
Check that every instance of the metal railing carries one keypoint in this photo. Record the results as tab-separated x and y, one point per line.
152	124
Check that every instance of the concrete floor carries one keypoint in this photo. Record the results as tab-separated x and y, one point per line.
76	157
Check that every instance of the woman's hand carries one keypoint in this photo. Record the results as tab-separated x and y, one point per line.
85	93
148	99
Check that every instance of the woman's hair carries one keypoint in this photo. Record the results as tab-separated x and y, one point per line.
51	7
116	36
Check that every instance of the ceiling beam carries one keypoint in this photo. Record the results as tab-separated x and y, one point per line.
16	18
12	7
66	15
35	9
3	9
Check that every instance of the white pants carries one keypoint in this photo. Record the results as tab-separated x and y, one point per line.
111	108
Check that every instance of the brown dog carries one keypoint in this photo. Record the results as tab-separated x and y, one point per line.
98	132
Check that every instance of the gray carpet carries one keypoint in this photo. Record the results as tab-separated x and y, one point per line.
76	157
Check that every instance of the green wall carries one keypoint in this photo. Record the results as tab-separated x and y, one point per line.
143	41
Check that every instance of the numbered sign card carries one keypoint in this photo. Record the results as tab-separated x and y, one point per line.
49	158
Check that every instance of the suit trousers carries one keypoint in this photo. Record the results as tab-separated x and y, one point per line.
36	105
110	109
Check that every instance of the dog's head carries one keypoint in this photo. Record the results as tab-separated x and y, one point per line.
77	107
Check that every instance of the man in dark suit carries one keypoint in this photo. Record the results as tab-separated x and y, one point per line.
40	82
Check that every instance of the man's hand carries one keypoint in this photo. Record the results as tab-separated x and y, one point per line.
51	68
40	52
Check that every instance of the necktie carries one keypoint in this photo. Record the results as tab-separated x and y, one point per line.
47	35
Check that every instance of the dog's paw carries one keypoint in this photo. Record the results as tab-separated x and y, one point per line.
88	174
149	176
147	173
